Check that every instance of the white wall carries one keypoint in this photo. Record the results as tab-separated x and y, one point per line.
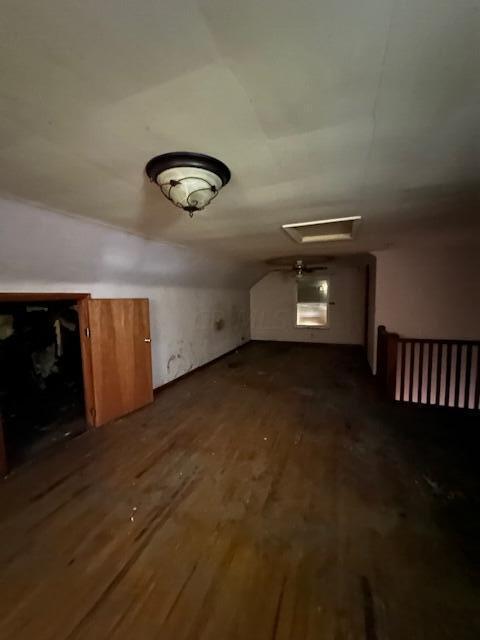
188	291
273	313
429	293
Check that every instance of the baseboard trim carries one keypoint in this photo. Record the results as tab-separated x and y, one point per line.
311	344
160	388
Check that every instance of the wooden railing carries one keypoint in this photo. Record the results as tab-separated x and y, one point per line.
444	373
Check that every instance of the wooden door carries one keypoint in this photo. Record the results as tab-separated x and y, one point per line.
120	357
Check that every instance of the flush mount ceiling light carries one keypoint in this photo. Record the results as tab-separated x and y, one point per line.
323	230
189	180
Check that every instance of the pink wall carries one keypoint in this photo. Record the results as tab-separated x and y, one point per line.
429	293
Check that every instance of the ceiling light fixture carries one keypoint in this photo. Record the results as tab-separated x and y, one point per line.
189	180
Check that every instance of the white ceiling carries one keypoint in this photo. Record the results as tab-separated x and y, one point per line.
321	108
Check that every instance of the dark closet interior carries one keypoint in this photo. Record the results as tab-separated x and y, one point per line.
41	385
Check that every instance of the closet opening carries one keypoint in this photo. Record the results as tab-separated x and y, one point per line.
41	378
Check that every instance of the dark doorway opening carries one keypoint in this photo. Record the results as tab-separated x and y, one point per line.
41	384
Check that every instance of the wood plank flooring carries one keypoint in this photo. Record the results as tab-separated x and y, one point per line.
270	496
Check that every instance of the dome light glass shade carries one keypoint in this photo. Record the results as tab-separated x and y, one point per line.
188	188
189	180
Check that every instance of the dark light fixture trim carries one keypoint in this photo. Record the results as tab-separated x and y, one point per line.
189	192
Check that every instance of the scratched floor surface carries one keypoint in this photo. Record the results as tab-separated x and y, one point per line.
269	496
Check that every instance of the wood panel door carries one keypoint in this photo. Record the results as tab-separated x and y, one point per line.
120	353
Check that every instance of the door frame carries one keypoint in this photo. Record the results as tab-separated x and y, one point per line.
81	300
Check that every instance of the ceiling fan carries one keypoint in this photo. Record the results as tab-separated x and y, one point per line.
299	267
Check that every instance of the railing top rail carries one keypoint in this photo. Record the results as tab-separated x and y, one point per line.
440	341
462	341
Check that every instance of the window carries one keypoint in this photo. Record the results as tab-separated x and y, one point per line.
312	302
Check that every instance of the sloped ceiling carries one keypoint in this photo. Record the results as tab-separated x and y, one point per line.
47	250
321	108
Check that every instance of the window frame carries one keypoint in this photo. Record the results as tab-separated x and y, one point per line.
313	326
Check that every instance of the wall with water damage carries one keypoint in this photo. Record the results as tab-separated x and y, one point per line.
199	304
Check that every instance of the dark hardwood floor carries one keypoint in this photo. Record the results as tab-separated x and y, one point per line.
269	496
